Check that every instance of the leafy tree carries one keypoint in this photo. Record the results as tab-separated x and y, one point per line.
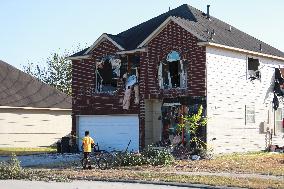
191	124
56	73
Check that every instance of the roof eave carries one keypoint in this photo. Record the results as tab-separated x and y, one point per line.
163	25
79	57
103	36
240	50
34	108
144	49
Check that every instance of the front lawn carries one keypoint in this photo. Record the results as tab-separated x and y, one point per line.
26	151
260	163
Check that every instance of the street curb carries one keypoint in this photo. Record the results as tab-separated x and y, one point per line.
162	183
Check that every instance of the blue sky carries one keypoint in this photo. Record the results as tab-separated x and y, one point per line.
31	30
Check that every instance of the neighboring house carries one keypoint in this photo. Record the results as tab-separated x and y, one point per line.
32	114
136	85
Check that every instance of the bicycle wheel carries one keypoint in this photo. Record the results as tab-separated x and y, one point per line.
84	163
102	163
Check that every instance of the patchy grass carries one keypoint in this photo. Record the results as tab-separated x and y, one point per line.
26	151
167	177
260	163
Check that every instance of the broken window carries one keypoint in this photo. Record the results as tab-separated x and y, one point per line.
172	72
107	73
249	115
253	69
279	82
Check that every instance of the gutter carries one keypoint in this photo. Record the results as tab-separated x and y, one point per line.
33	108
79	57
132	51
240	50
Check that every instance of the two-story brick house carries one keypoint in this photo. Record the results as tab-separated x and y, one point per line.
135	85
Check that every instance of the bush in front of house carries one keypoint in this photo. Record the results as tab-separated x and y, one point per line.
158	157
12	169
149	156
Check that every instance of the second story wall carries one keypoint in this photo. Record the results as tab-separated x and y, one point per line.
88	101
174	38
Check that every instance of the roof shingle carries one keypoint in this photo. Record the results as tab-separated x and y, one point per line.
18	89
196	21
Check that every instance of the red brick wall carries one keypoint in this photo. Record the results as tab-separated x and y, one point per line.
173	37
85	100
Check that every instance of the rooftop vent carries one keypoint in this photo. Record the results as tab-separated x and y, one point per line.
230	28
208	12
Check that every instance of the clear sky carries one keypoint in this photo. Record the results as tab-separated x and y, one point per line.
31	30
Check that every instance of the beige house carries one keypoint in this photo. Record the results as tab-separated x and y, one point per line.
32	114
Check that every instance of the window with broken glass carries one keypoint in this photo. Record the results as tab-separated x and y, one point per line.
107	73
172	72
253	69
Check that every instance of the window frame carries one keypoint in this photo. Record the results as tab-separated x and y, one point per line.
248	75
252	109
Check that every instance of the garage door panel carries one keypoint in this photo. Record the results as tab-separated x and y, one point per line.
111	132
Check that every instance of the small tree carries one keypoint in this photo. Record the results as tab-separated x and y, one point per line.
56	73
191	125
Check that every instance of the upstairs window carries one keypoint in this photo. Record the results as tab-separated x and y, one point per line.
172	72
107	73
253	69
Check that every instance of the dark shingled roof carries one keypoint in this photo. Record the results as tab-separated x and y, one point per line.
196	21
18	89
80	53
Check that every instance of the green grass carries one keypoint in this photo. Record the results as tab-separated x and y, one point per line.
26	151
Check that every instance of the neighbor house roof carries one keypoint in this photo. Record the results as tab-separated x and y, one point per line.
18	89
207	30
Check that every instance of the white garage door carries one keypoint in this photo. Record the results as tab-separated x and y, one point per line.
111	132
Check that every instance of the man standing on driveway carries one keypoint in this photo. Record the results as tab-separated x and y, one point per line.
87	144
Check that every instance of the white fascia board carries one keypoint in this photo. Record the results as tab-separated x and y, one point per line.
132	51
33	108
79	57
240	50
163	25
155	32
103	36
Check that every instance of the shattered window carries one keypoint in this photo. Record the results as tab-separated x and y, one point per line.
107	73
253	69
172	72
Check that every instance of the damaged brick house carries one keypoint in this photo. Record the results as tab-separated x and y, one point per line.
135	85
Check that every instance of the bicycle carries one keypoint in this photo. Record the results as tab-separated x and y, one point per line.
93	159
114	158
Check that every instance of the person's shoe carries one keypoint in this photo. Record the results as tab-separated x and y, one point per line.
89	167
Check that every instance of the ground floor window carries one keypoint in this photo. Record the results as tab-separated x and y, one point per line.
279	120
249	114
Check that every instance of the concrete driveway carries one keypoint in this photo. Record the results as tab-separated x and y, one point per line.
18	184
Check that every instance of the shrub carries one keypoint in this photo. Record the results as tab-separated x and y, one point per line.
12	169
149	156
158	157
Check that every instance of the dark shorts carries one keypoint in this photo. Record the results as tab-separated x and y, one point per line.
86	154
